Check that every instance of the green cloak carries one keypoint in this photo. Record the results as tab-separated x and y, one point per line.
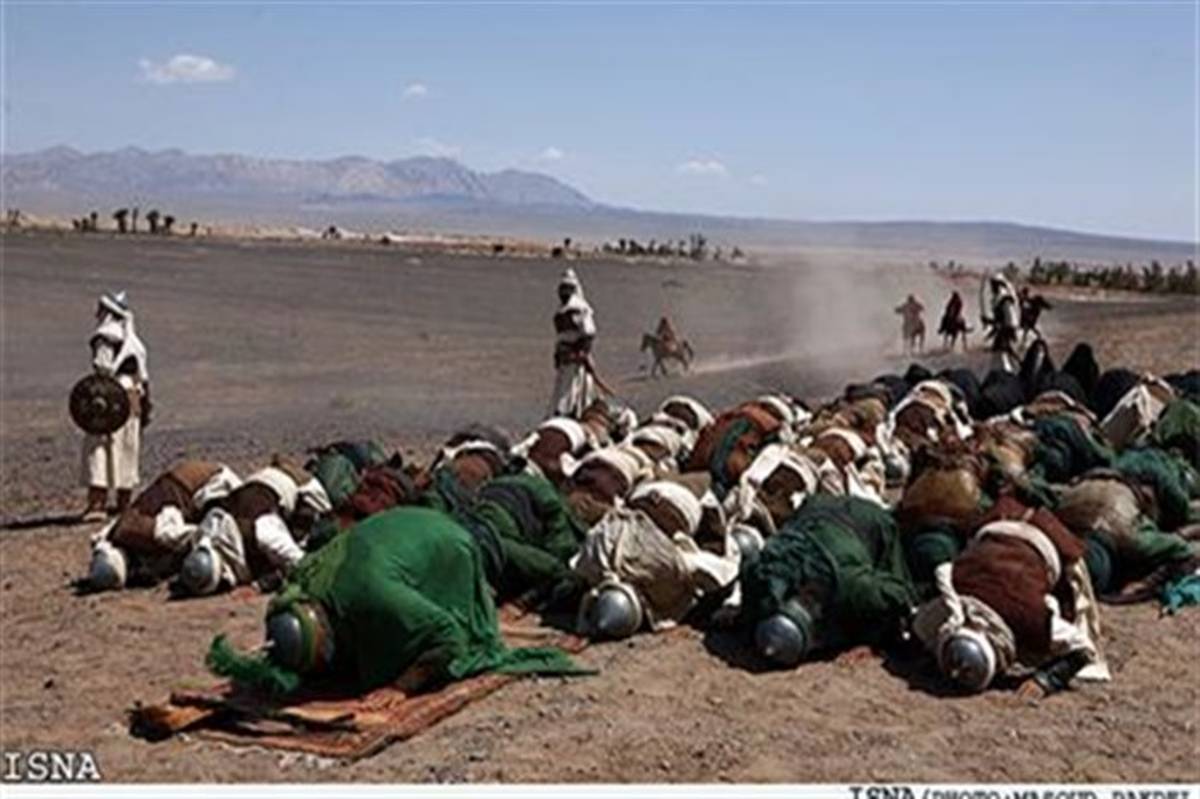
1173	481
537	532
1065	450
407	587
841	557
1178	429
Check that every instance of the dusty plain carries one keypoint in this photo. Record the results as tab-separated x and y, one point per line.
261	347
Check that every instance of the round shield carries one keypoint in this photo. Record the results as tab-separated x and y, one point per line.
99	404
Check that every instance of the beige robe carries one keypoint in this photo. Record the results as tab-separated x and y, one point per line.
111	461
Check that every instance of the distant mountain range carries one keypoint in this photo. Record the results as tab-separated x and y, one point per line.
442	195
133	175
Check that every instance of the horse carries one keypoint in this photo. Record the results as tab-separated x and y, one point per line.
913	334
679	350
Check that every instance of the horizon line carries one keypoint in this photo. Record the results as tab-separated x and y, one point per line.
605	206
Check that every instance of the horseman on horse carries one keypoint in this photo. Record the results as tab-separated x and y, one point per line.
666	344
913	328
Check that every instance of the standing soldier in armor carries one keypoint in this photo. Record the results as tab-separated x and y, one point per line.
110	462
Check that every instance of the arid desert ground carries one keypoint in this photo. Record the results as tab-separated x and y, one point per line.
260	347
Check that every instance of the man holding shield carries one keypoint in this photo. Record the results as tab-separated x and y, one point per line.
110	460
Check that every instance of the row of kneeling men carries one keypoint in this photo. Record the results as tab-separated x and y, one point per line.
982	520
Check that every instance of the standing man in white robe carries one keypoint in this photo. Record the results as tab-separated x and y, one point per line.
110	462
575	382
996	294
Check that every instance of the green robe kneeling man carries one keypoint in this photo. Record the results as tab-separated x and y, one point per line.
401	598
833	577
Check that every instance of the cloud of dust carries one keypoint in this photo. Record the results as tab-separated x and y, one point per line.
836	312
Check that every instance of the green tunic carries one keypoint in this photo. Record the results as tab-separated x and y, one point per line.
340	465
1065	450
537	533
841	557
1178	428
1172	480
1140	552
404	587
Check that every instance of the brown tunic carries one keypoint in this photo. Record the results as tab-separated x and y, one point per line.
476	467
134	530
601	480
837	448
245	505
547	451
763	425
776	493
1009	575
683	412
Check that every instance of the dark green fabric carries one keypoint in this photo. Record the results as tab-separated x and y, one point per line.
364	453
1098	556
251	670
840	557
1181	592
537	531
1136	555
1178	429
1065	450
722	481
337	474
323	531
927	550
1170	477
448	495
407	587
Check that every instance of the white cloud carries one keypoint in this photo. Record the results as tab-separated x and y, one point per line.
185	68
438	149
551	154
759	180
415	91
696	166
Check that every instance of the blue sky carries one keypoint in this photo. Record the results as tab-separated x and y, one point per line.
1078	116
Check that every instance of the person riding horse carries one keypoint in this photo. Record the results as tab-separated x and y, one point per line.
666	333
666	344
913	329
954	322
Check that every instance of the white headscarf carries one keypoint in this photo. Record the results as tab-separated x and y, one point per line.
994	288
115	325
578	304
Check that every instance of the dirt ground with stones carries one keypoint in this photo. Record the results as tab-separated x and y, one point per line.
258	348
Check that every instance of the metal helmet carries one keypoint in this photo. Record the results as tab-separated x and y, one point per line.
300	639
107	570
749	541
784	637
200	573
968	659
613	612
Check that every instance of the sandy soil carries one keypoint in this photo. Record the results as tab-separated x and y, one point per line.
269	347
